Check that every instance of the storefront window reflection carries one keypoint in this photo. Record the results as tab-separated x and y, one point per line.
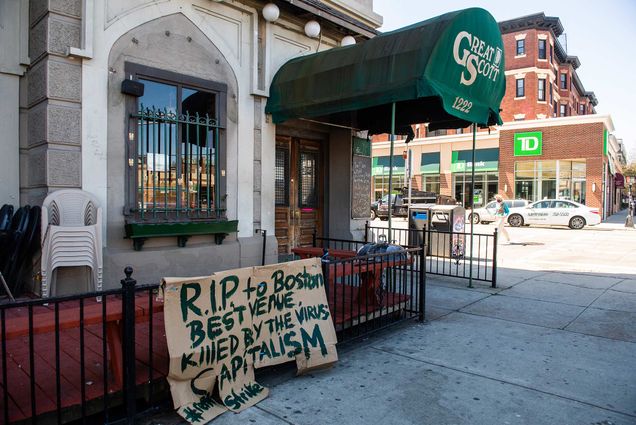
535	180
430	183
486	187
381	185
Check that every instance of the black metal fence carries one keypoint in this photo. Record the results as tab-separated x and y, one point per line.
371	292
89	358
447	253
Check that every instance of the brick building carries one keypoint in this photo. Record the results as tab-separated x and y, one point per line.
576	155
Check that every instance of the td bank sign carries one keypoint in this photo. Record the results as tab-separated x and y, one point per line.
528	144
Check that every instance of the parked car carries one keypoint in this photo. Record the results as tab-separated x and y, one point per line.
555	212
487	214
400	203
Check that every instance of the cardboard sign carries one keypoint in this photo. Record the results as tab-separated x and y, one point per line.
220	327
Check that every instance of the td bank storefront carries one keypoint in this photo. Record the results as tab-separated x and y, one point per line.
557	158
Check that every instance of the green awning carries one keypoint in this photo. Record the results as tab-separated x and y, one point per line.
485	160
429	163
447	71
380	165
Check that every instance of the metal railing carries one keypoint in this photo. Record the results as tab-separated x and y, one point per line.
90	357
174	164
371	292
448	253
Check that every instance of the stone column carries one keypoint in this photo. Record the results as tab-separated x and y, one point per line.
51	148
14	30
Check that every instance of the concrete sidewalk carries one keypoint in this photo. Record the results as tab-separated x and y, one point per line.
616	220
550	348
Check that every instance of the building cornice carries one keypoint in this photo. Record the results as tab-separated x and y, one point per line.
534	21
605	119
439	140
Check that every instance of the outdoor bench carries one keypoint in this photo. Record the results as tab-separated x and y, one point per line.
69	318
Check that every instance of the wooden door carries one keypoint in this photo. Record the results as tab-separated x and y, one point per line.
298	192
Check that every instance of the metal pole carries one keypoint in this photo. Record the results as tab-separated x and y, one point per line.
494	259
264	234
409	159
472	208
422	276
128	344
392	138
6	287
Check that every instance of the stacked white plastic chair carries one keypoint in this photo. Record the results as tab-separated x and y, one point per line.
71	236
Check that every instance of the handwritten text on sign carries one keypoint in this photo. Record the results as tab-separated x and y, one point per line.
220	327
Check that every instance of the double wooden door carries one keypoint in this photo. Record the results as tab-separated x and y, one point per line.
298	192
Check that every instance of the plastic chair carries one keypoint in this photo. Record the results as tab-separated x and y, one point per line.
71	236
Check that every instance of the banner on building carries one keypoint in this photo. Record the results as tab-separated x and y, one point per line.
220	327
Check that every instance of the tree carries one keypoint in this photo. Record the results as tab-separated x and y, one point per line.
630	170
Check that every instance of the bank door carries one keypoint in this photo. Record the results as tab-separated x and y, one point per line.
299	192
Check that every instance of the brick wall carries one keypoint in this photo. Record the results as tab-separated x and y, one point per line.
581	141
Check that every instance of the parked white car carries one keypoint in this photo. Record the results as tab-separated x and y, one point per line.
555	212
487	214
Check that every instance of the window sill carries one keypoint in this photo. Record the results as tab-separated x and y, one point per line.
543	102
139	232
520	56
520	98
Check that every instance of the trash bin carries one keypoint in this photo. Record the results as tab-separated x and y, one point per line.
445	221
419	222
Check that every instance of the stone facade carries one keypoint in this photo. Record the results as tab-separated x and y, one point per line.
74	120
52	149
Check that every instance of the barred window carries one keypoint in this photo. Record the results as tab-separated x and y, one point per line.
308	167
282	177
175	172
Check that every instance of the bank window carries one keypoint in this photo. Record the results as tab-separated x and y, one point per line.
521	84
563	179
551	48
542	52
562	110
541	89
430	183
521	47
381	185
486	187
554	108
174	143
581	109
564	81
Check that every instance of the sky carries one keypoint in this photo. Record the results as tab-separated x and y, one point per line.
601	33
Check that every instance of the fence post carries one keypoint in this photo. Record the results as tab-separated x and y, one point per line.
422	275
313	238
366	231
128	344
263	232
494	260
